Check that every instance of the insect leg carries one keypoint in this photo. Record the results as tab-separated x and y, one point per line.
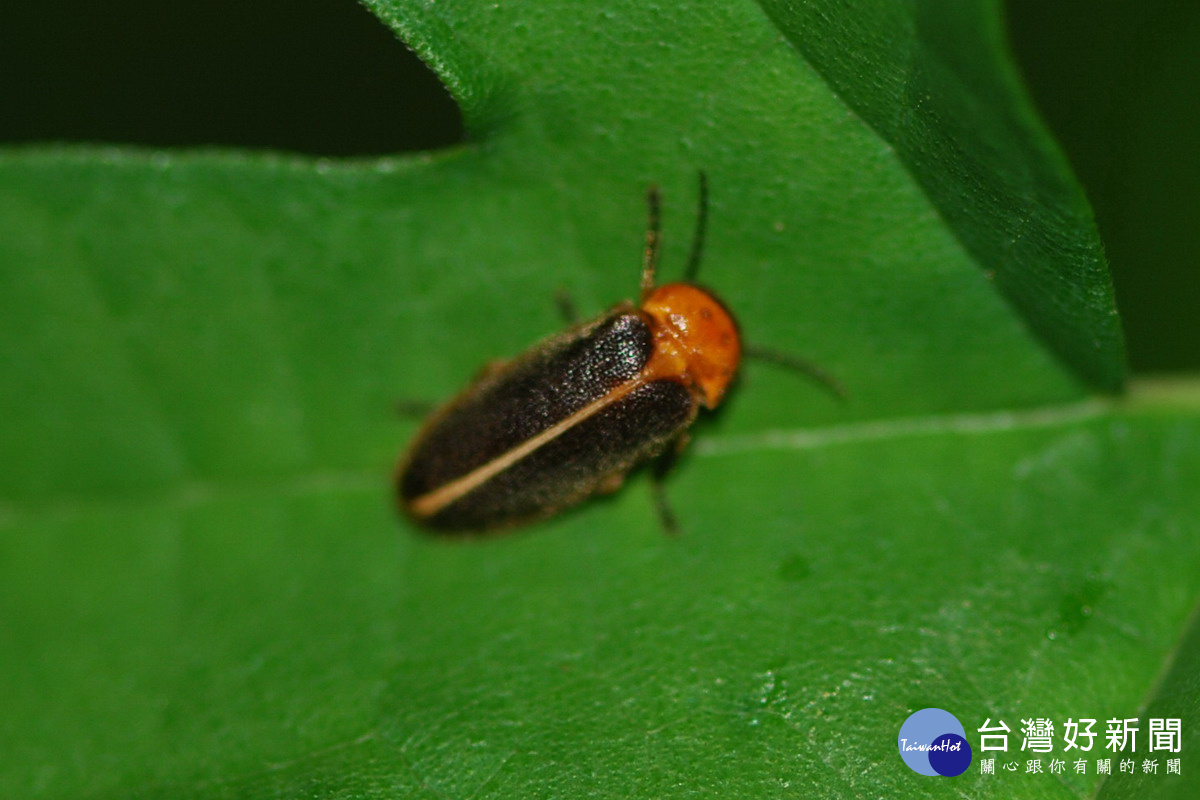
659	470
414	409
653	235
566	306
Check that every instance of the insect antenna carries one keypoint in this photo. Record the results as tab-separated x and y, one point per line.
693	262
800	365
653	237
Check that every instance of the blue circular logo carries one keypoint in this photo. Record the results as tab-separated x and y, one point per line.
934	742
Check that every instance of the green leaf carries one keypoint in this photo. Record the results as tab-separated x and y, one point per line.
204	591
942	93
1130	135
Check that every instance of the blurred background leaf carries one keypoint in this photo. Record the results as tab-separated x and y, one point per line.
1112	80
1116	84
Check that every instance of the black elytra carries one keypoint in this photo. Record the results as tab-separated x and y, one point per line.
508	406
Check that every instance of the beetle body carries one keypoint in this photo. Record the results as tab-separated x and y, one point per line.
573	415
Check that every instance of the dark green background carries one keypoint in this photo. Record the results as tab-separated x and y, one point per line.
1116	81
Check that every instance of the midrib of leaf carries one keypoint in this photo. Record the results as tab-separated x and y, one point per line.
905	427
1180	394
